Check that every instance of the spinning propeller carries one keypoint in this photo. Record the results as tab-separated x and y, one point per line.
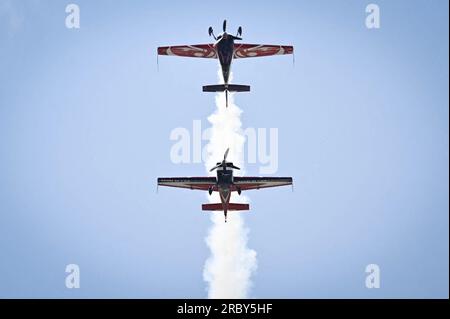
224	163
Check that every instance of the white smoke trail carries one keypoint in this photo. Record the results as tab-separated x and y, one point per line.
229	268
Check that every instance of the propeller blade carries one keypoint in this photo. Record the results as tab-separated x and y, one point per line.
231	165
226	154
224	25
215	167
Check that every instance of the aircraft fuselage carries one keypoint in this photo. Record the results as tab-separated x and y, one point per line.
224	186
225	50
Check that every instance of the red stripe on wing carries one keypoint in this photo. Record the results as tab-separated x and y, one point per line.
191	51
258	50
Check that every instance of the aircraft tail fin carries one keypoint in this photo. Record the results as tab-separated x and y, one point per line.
231	207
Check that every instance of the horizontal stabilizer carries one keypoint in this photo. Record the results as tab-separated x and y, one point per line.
226	87
212	207
231	207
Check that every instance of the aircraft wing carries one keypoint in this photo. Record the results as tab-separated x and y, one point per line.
200	183
247	183
242	50
192	51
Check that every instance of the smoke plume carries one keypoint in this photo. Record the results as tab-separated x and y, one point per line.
229	268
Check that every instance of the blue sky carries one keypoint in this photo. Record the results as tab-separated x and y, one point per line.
85	119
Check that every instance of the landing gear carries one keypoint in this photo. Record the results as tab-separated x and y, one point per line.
210	190
238	189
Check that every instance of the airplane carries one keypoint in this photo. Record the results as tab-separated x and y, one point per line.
225	49
225	183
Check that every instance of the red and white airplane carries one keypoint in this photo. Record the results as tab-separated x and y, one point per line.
226	50
224	183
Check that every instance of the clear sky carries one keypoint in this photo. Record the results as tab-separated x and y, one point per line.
363	125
